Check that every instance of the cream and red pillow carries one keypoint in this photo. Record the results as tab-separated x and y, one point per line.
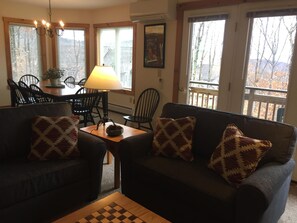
173	137
54	138
237	156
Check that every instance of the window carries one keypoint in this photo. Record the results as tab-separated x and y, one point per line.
116	48
271	48
206	48
23	49
73	51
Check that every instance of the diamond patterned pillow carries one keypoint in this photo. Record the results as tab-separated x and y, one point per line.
237	156
54	138
173	137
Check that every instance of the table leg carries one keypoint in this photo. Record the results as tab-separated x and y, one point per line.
114	150
117	172
109	157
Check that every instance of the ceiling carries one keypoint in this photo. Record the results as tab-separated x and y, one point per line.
73	4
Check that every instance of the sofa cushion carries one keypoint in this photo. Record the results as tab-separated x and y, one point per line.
173	137
24	179
191	183
54	137
237	156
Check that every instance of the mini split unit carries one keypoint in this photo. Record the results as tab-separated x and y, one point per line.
152	10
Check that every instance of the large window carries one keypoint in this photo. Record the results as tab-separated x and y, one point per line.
73	51
268	68
241	63
23	49
115	47
204	65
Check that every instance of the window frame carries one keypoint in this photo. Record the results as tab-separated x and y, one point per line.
118	25
7	21
73	26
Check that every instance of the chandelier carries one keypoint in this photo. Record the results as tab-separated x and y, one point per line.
44	28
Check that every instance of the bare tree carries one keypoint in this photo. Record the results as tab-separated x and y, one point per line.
214	42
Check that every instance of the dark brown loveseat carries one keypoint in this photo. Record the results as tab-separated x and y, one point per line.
35	191
191	192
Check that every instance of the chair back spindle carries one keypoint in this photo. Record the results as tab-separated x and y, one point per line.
27	92
39	95
29	79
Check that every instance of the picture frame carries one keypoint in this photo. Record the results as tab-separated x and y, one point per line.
154	45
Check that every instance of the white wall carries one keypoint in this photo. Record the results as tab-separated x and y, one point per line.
145	77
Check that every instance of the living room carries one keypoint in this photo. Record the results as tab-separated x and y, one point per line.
166	79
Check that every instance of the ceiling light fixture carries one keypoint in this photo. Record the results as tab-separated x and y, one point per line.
45	28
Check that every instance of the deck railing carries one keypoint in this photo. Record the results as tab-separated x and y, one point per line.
262	103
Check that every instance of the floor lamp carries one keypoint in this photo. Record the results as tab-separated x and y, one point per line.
104	79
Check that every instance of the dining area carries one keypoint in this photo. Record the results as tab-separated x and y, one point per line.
86	96
29	90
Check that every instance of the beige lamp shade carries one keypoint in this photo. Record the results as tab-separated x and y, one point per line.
103	78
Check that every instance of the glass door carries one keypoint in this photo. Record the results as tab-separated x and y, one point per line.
268	67
207	52
204	64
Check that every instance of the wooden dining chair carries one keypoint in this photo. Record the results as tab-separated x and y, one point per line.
17	97
29	79
145	109
39	95
83	104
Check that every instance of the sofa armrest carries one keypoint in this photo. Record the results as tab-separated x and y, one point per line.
92	149
257	191
136	146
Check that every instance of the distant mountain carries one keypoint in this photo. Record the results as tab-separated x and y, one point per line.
266	66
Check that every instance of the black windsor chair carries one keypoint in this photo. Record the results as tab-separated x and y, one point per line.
82	82
83	104
27	92
17	96
39	95
69	80
29	79
145	109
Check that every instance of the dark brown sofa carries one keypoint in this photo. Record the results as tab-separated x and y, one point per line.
191	192
35	191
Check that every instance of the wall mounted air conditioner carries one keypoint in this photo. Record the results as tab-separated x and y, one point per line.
152	10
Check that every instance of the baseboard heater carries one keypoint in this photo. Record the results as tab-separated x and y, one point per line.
118	109
122	110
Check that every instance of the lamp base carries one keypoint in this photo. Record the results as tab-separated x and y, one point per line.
112	130
103	120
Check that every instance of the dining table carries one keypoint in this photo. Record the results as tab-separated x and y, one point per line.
67	92
61	92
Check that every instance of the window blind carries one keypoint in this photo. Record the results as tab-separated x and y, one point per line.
207	18
270	13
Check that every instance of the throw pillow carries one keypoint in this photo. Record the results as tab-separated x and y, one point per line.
173	137
237	156
54	138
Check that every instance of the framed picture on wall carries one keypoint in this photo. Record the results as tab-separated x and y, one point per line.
154	45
